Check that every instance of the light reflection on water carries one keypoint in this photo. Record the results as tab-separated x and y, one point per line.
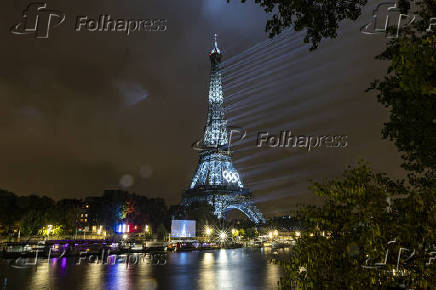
93	276
207	276
40	278
220	269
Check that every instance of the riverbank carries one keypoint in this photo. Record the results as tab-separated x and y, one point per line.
104	248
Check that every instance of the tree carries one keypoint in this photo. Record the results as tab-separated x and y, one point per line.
33	221
67	213
366	213
320	18
409	91
409	88
251	233
161	232
203	213
365	216
8	209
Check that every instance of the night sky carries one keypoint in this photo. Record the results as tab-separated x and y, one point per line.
85	111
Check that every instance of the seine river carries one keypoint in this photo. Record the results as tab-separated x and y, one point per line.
244	268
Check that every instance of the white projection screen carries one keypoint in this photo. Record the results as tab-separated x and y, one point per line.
183	228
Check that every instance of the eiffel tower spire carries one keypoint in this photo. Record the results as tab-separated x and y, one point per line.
215	132
216	180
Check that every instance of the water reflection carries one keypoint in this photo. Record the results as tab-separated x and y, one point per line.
40	275
208	259
237	269
118	277
220	269
145	276
224	269
207	275
93	276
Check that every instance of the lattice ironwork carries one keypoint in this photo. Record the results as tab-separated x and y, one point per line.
216	180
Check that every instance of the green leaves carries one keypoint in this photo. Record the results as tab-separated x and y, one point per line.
409	91
319	18
361	232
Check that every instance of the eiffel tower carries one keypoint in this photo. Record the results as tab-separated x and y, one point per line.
216	180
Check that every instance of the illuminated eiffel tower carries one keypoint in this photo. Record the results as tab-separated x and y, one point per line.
216	180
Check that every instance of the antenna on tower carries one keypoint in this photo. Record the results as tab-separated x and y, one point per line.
215	48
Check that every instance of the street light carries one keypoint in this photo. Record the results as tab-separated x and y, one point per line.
208	231
99	230
49	227
223	236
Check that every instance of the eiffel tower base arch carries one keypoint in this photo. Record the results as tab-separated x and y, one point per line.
225	200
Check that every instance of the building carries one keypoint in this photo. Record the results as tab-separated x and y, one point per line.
84	222
216	180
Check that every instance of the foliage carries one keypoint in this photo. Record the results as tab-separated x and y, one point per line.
366	214
33	221
66	213
161	232
409	88
117	206
51	230
32	213
319	18
409	91
251	233
8	212
203	213
345	238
